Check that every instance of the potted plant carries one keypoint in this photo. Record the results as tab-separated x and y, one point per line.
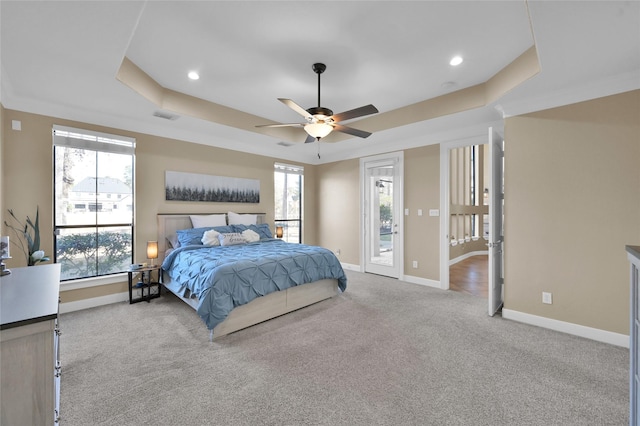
28	234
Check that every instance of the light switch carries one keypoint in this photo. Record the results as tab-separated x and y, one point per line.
419	212
406	212
16	124
434	212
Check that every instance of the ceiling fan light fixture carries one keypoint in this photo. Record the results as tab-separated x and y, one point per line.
321	121
318	130
456	60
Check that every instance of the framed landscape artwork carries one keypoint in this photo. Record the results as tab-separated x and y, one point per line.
181	186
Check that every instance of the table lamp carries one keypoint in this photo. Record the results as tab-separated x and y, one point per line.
152	250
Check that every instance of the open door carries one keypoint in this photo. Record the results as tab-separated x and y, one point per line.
496	216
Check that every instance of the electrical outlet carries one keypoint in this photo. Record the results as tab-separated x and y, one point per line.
337	252
415	264
546	298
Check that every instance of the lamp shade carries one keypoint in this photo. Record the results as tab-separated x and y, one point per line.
278	231
318	130
152	249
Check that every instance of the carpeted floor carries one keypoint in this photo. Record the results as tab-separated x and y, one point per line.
383	353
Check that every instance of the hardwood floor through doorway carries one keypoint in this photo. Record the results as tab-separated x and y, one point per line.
470	276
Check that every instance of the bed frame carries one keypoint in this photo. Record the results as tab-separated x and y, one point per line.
258	310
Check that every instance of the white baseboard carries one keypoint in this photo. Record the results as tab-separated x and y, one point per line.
468	255
421	281
610	337
79	305
350	267
407	278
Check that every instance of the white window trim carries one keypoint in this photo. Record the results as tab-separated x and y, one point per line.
93	281
95	141
92	140
289	169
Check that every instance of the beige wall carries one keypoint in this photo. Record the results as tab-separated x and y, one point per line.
339	210
338	219
422	191
310	209
572	202
27	177
2	129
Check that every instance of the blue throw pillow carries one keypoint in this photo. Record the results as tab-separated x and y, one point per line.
262	229
193	236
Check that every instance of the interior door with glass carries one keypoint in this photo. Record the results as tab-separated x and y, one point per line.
382	217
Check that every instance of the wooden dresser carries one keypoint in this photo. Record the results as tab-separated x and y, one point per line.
29	364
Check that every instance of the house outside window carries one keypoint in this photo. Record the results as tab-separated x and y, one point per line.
288	188
93	202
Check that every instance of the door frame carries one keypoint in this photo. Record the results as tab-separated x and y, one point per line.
496	221
397	158
445	150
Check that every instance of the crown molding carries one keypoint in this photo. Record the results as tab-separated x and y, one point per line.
610	86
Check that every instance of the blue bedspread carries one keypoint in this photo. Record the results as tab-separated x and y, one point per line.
225	277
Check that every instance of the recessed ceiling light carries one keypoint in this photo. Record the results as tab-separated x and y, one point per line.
455	61
193	75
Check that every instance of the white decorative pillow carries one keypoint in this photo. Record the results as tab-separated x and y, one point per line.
250	236
242	219
231	239
207	221
210	238
173	241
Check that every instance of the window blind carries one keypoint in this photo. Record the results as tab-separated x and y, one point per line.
288	168
95	141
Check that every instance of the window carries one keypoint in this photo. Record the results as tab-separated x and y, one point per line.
467	197
93	202
288	186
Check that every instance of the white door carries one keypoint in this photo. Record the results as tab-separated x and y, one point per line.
382	214
496	216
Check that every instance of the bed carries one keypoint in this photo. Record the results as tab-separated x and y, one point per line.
235	286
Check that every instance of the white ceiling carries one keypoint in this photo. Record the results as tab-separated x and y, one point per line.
60	58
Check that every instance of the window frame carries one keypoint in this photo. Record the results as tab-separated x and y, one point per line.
93	142
290	169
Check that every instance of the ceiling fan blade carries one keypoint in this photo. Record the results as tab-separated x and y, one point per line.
355	113
309	139
294	106
282	125
351	131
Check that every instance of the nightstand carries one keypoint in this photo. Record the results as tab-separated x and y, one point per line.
146	283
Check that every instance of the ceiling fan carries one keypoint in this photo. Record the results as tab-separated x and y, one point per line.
322	121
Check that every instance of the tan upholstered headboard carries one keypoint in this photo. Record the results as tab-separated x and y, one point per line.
169	223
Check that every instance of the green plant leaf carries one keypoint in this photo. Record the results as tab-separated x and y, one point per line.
36	232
